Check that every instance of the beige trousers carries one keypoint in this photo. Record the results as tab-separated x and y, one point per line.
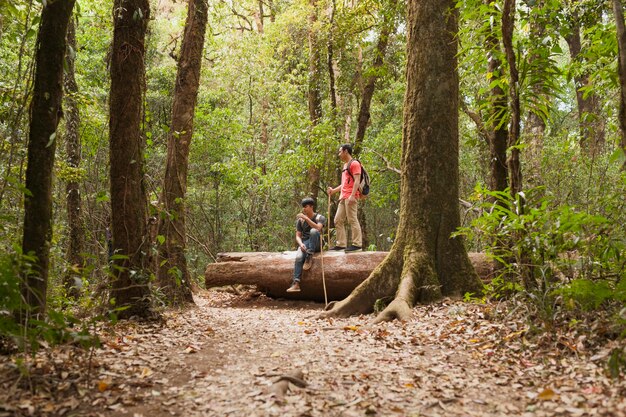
347	212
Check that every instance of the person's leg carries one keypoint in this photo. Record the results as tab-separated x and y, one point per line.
313	242
340	226
353	221
297	269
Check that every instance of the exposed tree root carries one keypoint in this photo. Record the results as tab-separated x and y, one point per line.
418	283
382	282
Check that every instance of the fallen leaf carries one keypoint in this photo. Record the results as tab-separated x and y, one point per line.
547	394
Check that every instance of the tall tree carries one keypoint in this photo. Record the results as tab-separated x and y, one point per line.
387	28
513	160
173	274
128	197
314	94
73	150
45	115
424	261
490	119
590	121
618	10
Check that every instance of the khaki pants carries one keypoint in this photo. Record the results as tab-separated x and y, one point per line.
347	212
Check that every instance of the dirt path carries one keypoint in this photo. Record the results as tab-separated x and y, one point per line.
220	359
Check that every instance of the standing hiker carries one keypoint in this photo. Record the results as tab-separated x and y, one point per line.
347	207
309	225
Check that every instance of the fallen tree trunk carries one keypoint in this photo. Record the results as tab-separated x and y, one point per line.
272	272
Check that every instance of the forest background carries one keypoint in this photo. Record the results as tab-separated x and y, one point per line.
283	84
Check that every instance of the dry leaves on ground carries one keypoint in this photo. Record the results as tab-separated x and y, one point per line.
226	356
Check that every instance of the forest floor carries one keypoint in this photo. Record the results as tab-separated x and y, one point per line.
224	356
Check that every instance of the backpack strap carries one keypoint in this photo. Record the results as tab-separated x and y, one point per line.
348	168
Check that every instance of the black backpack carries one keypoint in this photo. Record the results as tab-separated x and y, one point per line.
364	186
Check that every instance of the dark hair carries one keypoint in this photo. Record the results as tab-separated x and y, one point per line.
347	147
308	201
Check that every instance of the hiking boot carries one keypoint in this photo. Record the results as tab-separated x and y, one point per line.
308	262
353	248
294	288
337	248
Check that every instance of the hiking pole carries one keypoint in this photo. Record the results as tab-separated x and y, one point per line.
323	278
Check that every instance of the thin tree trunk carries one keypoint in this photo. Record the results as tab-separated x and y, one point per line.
497	134
591	124
424	262
535	125
72	190
173	274
388	26
129	207
621	68
513	161
45	115
331	69
590	121
315	98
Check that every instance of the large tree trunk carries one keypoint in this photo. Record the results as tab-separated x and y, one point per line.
424	262
129	206
72	191
315	97
621	43
513	161
44	118
173	275
272	272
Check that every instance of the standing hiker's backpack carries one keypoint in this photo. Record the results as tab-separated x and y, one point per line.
364	186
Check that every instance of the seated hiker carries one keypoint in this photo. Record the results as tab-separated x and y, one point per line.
309	225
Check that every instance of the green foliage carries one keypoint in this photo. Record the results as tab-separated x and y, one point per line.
20	329
590	294
537	242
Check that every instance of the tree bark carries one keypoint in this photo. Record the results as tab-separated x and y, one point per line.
173	274
72	190
590	121
45	115
497	132
424	262
621	67
315	97
388	26
535	125
513	161
272	272
129	207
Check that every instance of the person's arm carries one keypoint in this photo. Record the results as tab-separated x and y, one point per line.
332	190
355	188
316	226
301	245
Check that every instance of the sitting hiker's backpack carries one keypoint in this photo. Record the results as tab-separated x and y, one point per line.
364	186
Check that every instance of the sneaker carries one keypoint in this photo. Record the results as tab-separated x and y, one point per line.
294	288
337	248
353	248
308	262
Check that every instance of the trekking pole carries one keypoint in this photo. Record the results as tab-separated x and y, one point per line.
323	278
328	220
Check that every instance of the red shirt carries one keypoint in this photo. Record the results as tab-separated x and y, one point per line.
347	182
